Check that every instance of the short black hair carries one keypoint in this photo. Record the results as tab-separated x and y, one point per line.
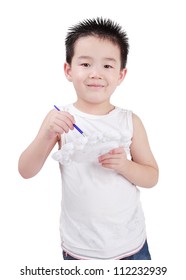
99	27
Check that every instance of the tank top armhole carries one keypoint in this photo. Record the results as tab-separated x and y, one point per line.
130	122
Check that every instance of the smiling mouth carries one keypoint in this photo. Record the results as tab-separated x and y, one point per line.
95	86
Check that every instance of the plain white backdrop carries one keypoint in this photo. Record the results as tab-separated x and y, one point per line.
32	54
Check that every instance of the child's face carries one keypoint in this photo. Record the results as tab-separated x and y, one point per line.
95	70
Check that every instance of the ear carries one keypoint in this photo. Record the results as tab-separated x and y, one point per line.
122	75
67	70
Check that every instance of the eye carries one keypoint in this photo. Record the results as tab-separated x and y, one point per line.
85	64
108	66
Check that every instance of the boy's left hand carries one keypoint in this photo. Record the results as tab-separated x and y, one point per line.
116	159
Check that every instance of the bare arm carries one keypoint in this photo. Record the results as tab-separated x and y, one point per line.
142	170
35	155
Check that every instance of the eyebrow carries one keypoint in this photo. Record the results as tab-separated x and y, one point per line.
84	57
89	57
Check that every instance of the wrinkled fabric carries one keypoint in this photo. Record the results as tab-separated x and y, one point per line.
88	149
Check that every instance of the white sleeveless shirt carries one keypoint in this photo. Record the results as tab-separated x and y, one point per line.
101	213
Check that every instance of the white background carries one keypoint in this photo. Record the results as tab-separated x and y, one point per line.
32	54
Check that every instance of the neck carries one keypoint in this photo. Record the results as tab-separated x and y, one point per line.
94	109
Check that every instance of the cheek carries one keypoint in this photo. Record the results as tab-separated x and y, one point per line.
78	77
114	82
78	81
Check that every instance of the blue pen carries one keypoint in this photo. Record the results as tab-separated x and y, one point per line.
76	127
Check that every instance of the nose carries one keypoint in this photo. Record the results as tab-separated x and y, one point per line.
95	73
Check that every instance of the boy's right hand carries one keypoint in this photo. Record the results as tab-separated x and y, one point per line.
57	122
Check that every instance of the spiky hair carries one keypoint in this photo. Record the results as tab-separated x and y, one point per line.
99	27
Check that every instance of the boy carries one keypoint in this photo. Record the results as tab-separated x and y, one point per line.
101	216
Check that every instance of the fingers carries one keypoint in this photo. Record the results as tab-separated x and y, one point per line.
119	150
65	121
113	154
60	121
115	159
